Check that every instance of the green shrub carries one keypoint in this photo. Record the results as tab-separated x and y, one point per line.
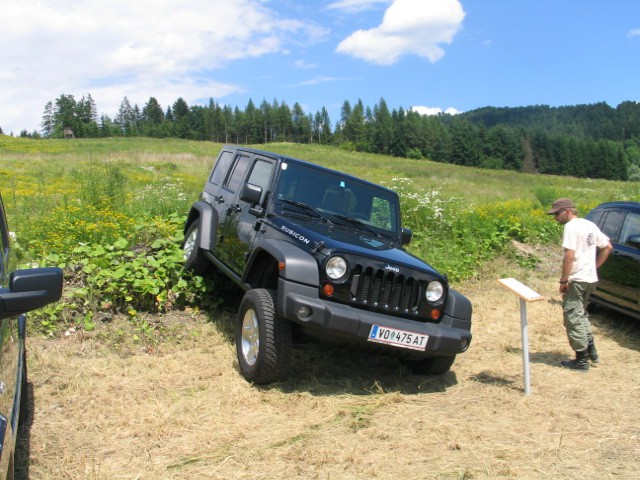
546	195
108	278
457	237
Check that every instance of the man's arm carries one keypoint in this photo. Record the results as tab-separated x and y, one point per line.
603	254
567	265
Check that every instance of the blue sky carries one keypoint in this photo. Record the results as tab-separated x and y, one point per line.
431	55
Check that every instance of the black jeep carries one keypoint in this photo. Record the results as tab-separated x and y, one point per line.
319	252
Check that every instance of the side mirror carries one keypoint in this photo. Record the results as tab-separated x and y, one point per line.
29	290
405	237
634	241
251	193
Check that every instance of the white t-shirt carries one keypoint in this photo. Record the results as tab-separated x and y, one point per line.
583	237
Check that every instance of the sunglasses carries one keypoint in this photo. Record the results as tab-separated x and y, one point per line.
559	212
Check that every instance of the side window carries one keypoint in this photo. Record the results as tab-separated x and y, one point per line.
261	176
234	179
611	225
221	168
631	226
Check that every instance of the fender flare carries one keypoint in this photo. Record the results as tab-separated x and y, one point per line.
208	223
458	306
300	266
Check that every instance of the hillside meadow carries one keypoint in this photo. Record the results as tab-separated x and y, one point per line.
133	375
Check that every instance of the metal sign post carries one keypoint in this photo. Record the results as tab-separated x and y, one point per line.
525	294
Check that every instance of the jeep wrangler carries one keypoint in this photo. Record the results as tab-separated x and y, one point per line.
319	253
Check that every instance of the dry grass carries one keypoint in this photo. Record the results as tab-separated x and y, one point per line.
175	407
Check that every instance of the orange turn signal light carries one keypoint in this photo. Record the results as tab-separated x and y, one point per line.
328	289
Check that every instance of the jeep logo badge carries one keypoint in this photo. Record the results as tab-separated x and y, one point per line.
392	268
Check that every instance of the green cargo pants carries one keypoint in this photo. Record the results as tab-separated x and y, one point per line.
576	318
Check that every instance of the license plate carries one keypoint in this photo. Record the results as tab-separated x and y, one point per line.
398	338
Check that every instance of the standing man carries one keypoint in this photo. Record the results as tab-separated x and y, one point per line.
585	249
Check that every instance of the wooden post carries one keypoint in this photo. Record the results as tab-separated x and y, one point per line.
525	294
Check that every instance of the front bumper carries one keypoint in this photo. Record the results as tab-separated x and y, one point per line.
449	337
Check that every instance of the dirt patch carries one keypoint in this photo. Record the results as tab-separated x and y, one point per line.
169	403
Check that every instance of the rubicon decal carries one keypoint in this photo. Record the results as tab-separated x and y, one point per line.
295	234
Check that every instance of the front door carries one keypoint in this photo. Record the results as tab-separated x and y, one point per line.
239	226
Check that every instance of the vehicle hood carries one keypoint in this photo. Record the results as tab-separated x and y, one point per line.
313	234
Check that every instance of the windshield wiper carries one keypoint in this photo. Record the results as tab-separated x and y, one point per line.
359	223
303	206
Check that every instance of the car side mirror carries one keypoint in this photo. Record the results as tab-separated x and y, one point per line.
29	290
405	237
252	194
634	241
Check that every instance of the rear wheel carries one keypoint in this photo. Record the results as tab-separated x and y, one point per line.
430	366
263	340
194	259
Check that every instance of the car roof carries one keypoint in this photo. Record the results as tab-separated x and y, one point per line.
285	158
625	205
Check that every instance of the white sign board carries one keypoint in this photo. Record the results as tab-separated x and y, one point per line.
526	295
520	289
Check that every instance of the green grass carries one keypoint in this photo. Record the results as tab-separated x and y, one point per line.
110	212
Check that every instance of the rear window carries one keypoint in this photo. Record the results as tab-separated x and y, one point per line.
221	168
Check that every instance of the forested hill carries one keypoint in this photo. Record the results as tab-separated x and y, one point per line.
598	121
593	141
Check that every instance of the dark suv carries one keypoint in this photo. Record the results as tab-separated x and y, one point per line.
619	285
319	253
20	291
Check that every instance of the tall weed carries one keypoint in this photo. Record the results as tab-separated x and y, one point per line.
457	236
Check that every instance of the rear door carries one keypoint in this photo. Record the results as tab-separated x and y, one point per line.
227	207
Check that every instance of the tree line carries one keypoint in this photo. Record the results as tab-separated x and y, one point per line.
593	141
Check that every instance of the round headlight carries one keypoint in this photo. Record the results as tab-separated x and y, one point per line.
435	290
336	267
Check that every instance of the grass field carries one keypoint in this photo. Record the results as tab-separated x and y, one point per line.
174	406
156	393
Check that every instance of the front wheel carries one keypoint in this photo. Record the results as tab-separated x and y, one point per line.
430	366
192	254
263	340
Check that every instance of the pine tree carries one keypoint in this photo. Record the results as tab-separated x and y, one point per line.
47	120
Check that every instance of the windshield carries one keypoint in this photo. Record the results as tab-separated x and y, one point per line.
333	195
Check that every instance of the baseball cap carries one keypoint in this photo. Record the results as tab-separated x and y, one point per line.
559	204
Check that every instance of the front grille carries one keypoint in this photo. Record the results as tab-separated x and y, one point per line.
386	291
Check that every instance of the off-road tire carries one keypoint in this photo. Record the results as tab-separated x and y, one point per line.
263	340
194	259
430	366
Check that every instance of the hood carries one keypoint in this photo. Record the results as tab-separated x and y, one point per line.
327	237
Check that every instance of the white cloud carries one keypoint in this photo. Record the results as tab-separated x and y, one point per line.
415	27
113	48
320	79
434	110
304	65
355	6
634	33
